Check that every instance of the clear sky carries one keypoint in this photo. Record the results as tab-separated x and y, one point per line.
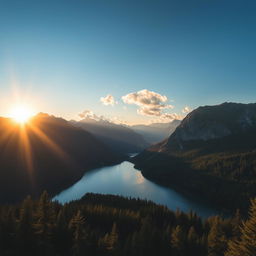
62	56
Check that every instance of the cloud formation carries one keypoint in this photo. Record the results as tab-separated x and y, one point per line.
108	100
186	110
88	114
150	104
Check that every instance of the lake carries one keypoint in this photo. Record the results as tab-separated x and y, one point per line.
123	179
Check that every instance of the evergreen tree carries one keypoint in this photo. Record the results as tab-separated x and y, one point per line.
192	242
44	225
236	224
178	241
216	239
246	244
62	236
79	236
110	241
25	234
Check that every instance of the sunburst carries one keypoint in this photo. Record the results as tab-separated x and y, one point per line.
21	114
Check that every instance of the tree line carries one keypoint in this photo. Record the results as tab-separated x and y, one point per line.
110	225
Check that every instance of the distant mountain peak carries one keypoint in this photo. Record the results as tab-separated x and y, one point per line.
156	132
118	137
212	122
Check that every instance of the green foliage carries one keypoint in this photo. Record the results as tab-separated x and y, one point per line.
109	225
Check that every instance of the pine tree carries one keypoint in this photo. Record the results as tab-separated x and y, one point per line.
79	236
178	242
24	231
62	235
236	224
246	244
216	239
110	240
192	241
44	225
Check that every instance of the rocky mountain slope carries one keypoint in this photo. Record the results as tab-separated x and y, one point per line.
212	153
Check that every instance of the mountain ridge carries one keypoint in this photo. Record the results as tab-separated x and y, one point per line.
119	138
156	132
46	153
218	163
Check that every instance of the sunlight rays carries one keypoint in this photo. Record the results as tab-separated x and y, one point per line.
24	139
21	114
47	141
26	151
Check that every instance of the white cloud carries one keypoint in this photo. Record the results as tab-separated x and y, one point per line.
117	120
85	113
166	118
150	104
186	110
88	114
108	100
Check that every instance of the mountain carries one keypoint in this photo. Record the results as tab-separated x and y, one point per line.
156	132
118	137
212	154
46	153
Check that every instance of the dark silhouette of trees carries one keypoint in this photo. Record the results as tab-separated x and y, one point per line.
245	244
109	225
216	238
79	235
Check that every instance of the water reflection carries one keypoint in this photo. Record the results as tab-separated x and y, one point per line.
123	179
139	178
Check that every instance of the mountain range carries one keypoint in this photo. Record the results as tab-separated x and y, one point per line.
127	139
50	153
212	154
156	132
119	138
47	153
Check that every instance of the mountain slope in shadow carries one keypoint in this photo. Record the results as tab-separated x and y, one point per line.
118	137
156	132
47	153
212	154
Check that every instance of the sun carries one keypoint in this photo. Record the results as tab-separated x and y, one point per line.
21	114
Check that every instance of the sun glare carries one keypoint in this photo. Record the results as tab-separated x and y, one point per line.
21	114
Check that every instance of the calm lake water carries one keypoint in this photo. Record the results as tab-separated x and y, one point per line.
123	179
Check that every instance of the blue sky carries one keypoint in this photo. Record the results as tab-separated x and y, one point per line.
62	56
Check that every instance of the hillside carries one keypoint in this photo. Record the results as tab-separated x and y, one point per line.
156	132
118	137
110	225
212	153
46	153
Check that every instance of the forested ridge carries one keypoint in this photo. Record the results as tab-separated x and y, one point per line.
226	179
114	225
211	154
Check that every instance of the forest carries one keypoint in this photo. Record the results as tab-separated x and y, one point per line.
222	171
113	225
